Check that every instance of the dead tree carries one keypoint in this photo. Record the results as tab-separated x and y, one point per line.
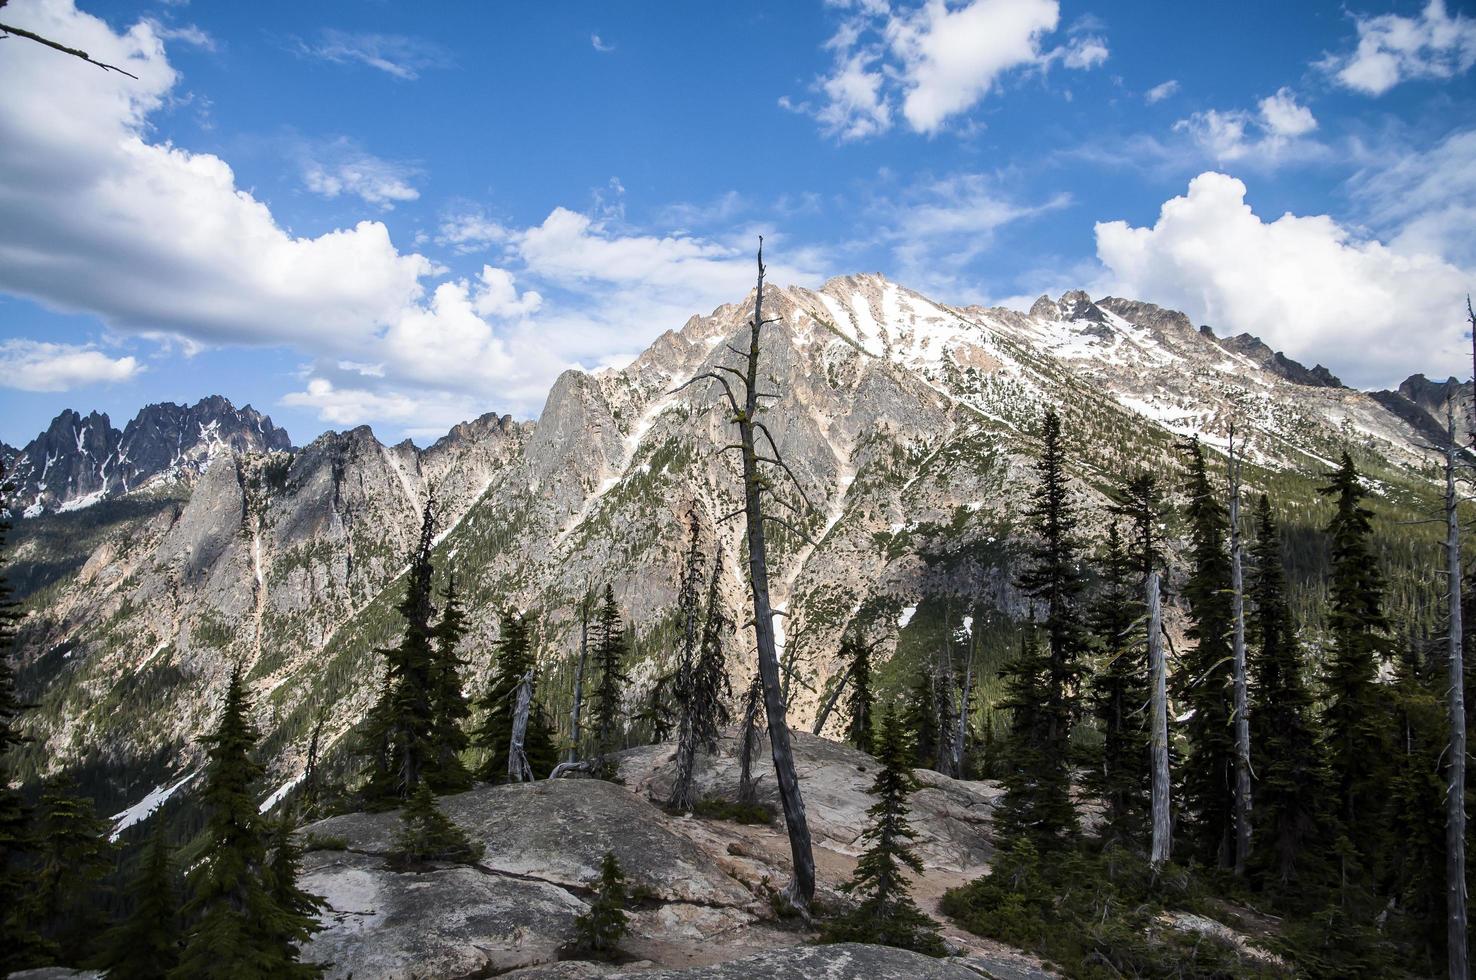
7	30
748	737
1455	794
573	754
756	489
828	705
518	769
1242	701
1158	734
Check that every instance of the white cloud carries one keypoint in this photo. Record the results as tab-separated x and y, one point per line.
1272	135
394	54
417	412
1303	284
471	231
600	45
32	365
1425	199
185	34
346	169
1161	91
1393	48
934	61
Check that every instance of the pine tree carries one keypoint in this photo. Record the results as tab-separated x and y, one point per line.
1119	697
427	834
1036	806
1140	504
400	731
606	707
701	680
1355	721
1414	788
512	659
449	708
20	944
539	743
1204	682
605	924
145	945
1052	577
236	926
74	854
920	719
297	911
886	913
1290	778
862	700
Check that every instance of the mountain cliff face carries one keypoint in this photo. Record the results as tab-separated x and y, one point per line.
909	424
80	460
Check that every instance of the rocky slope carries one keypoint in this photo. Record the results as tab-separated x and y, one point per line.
910	425
80	460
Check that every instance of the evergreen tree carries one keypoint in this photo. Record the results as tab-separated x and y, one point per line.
920	719
1204	681
1052	577
1414	859
702	678
605	923
540	744
1119	697
886	913
1140	504
74	854
236	926
20	944
427	834
1036	806
297	911
145	945
609	660
862	700
449	707
401	727
1355	721
1289	775
512	659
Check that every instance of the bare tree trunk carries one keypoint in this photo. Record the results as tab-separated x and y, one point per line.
1455	794
748	742
1158	735
830	701
518	770
962	730
573	754
1242	702
801	890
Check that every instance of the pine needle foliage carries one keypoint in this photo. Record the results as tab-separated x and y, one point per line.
886	913
449	707
427	835
862	699
609	649
146	944
602	927
511	660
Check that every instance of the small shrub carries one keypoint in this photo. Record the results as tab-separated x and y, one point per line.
427	834
605	924
716	808
324	842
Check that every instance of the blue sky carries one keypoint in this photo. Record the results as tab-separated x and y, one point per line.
404	215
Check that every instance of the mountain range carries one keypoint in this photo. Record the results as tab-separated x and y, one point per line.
910	426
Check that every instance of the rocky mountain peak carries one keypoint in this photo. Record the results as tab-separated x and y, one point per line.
80	459
1075	304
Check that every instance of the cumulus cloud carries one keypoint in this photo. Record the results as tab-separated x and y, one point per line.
1393	48
394	54
471	231
1161	91
1272	134
33	365
341	167
934	61
1304	284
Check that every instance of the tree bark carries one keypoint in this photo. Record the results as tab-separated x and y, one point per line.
518	770
1455	796
1242	701
573	754
1158	735
801	890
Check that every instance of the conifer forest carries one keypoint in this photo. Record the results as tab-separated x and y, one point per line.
712	610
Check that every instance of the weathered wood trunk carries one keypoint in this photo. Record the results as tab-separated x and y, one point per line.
518	770
802	889
1158	733
1457	951
1242	701
830	700
574	711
